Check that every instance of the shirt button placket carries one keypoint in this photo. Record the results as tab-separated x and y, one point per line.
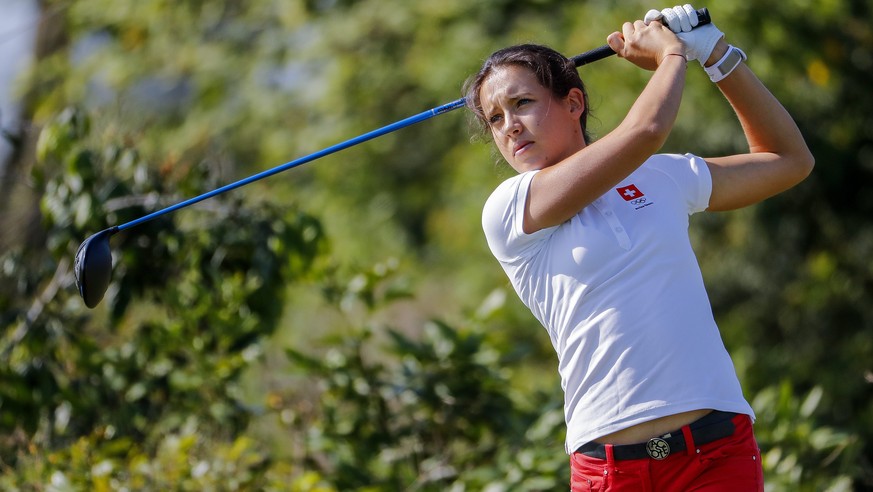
617	229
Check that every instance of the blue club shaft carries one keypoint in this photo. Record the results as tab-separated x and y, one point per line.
425	115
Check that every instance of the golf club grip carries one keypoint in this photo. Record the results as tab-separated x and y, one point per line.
605	51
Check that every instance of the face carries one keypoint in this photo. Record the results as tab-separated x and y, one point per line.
531	127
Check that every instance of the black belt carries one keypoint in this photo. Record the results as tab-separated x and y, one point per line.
711	427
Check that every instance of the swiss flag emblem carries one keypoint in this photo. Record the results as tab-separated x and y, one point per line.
630	192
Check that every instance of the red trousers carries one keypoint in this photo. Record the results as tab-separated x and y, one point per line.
730	464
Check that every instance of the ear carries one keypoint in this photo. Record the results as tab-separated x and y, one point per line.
576	101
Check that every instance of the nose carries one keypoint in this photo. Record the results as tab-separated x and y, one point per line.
511	125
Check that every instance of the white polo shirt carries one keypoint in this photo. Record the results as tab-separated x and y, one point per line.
619	291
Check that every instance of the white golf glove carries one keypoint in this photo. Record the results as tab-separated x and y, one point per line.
699	42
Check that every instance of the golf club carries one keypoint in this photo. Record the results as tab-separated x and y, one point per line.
93	261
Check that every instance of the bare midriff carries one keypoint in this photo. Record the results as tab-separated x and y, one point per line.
653	428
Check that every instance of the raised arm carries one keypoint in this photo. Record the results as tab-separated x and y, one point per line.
778	156
560	191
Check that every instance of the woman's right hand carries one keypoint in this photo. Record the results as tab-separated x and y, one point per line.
645	45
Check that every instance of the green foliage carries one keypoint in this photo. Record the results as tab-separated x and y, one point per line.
190	304
185	460
799	452
443	412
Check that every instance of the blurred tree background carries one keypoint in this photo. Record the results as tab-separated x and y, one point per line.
342	326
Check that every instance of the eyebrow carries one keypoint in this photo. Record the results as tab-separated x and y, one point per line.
511	96
518	94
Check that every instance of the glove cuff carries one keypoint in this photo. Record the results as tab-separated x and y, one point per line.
722	68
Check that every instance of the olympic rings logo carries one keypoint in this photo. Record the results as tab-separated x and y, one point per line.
638	201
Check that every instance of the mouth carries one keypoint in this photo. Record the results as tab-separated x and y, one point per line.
521	147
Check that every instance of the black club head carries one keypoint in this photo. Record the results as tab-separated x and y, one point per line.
93	267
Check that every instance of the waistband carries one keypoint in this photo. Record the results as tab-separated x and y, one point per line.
709	428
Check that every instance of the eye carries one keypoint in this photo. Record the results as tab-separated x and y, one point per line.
523	101
494	119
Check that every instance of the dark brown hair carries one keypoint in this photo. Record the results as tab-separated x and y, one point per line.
553	70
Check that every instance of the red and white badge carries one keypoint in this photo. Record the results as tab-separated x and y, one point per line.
630	192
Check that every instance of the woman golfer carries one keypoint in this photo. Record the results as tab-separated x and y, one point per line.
594	239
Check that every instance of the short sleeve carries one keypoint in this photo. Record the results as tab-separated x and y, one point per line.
691	175
503	220
701	191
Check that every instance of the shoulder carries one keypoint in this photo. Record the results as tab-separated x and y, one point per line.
688	174
677	163
507	193
502	220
